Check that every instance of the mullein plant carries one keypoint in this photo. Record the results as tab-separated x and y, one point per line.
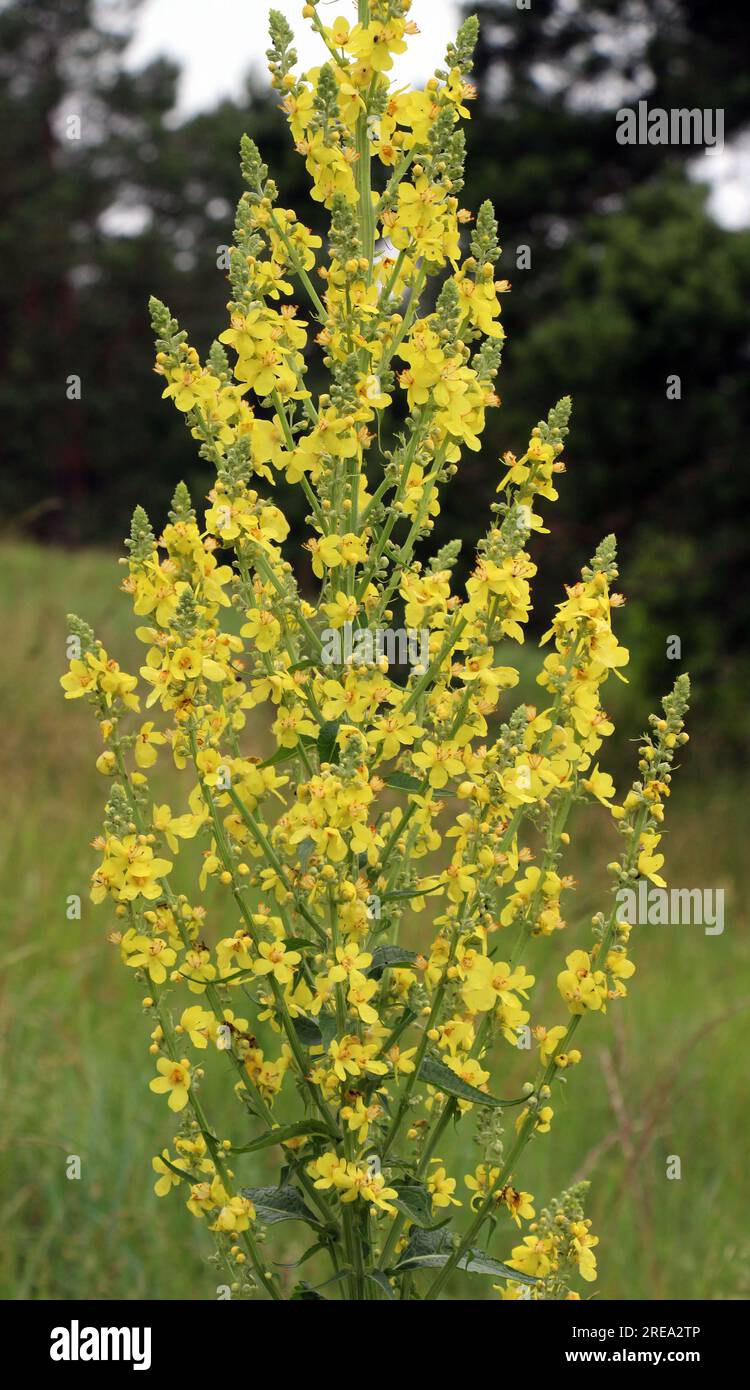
353	1056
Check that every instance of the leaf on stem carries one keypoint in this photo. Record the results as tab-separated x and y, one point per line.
403	782
274	1204
381	1279
438	1074
315	1032
327	741
299	1130
305	1290
384	957
433	1249
414	1201
285	755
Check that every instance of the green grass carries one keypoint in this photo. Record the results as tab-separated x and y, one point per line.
663	1074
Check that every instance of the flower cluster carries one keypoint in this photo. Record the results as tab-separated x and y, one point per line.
338	804
558	1248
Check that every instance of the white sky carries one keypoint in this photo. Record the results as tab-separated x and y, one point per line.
216	42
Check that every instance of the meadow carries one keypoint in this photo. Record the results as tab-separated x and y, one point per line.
664	1074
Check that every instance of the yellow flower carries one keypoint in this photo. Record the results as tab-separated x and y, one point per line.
174	1078
79	680
580	986
480	1182
519	1204
329	1171
359	1117
360	992
344	609
352	1181
275	960
196	1022
600	785
264	629
649	863
132	869
441	1187
402	1059
581	1251
470	1071
151	954
190	386
175	828
490	982
548	1040
235	1215
348	958
167	1179
439	761
146	744
536	1256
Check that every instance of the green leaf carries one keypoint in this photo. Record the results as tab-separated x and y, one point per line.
384	957
304	850
315	1032
305	1290
437	1074
184	1176
433	1249
274	1204
307	1031
403	782
476	1262
282	755
327	740
410	893
381	1279
308	1254
414	1201
296	943
425	1250
285	755
284	1132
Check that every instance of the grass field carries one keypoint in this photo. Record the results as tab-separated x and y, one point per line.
665	1074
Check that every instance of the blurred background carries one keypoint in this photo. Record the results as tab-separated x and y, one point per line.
630	265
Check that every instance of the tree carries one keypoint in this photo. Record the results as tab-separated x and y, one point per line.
102	199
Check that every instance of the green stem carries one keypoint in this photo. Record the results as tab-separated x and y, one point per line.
435	664
299	269
273	860
247	917
201	1119
529	1124
212	994
281	416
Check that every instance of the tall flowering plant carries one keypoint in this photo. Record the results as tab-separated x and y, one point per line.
403	788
